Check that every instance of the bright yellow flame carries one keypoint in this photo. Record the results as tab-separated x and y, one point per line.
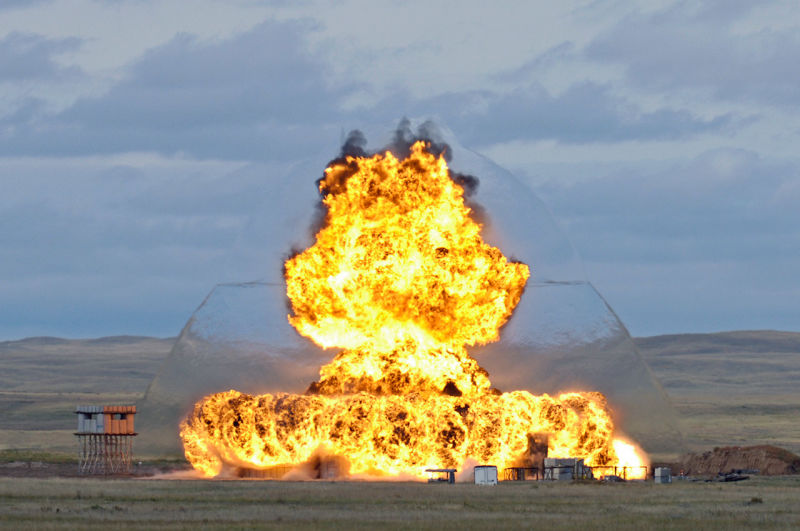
400	278
629	457
394	434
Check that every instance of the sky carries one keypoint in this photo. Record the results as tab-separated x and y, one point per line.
139	138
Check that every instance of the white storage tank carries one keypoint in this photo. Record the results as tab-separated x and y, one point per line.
486	475
662	474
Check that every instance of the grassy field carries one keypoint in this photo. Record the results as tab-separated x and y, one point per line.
43	379
163	504
732	388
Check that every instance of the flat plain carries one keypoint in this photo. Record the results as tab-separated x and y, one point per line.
44	378
761	503
731	388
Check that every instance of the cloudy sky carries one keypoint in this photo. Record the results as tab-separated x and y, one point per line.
138	139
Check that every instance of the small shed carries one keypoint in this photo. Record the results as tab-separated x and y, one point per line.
565	469
486	475
105	420
105	439
662	474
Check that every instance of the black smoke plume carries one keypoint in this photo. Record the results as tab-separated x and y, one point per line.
355	145
402	139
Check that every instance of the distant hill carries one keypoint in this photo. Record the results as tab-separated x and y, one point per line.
742	362
44	378
98	365
752	341
731	388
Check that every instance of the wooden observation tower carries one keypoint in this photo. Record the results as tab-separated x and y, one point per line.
105	439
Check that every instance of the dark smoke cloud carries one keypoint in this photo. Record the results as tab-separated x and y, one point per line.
468	182
355	145
402	139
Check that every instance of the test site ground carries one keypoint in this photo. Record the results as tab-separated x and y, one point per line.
731	388
61	503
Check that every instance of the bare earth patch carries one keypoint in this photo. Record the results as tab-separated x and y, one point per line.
768	460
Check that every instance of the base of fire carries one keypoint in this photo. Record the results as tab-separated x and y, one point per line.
400	435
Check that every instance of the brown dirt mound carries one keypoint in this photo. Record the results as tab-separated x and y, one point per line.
768	460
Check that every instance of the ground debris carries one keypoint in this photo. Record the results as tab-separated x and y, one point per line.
764	460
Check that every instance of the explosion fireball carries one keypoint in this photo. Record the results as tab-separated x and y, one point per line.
400	279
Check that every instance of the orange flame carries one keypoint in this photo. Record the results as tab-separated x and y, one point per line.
400	278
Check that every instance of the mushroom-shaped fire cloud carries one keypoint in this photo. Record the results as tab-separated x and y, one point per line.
399	278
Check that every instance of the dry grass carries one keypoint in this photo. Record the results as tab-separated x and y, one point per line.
29	456
154	504
732	388
43	379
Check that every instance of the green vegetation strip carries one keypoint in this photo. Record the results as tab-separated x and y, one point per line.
34	456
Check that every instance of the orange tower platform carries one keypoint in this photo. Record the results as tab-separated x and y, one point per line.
105	439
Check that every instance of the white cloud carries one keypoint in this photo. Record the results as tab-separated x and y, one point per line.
27	56
706	46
